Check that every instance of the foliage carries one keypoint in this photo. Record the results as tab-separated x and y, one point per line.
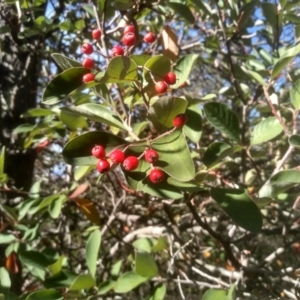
227	205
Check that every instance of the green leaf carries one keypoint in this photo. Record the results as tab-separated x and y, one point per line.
23	128
223	118
158	65
213	294
63	84
160	245
50	294
45	203
37	112
161	190
78	151
239	207
128	281
284	180
82	282
188	186
183	68
183	11
217	151
105	287
294	140
174	156
193	127
144	244
120	69
35	259
295	94
55	206
145	264
266	130
72	119
5	281
2	157
245	14
56	267
92	251
81	171
254	75
96	112
62	279
7	238
194	101
159	293
140	59
163	111
284	60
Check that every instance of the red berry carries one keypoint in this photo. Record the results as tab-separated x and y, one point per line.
156	175
103	166
98	151
130	163
161	87
151	156
87	48
170	78
180	120
129	39
117	156
88	77
149	38
129	28
117	51
88	63
96	34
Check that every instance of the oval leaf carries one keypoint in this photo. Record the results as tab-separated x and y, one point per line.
65	62
216	152
193	127
295	94
92	251
78	151
223	118
174	156
95	112
145	265
82	282
128	282
294	140
163	111
284	60
63	84
183	68
266	130
120	69
239	207
50	294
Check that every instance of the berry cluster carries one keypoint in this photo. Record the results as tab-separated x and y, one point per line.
155	175
128	39
129	163
161	86
103	165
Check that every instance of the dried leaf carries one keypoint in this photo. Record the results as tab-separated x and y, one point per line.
89	209
169	43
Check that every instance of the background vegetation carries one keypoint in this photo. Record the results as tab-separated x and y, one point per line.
231	231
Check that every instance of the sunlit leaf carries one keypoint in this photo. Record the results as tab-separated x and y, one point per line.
120	69
128	282
266	130
223	118
92	251
145	264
